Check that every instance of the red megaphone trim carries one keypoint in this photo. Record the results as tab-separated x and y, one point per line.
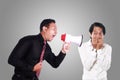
63	37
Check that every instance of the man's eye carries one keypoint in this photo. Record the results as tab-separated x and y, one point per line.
95	33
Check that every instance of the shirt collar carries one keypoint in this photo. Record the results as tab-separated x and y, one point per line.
89	43
40	38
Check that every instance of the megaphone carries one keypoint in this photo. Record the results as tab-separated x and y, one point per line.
74	39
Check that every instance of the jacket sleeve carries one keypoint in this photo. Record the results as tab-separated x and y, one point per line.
104	62
88	58
17	57
52	59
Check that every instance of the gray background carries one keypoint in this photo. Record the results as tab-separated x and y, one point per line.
19	18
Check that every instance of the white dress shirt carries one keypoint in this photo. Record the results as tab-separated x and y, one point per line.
95	64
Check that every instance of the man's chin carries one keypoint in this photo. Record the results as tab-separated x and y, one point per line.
50	40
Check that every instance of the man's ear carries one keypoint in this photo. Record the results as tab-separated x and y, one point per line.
90	34
44	28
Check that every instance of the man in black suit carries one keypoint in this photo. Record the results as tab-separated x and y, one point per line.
25	57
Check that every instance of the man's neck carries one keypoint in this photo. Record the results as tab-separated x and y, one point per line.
43	35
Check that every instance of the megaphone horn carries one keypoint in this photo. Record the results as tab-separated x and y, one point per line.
74	39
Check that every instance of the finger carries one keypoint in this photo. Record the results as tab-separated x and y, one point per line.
40	63
100	40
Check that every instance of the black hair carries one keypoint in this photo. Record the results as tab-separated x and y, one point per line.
46	23
97	24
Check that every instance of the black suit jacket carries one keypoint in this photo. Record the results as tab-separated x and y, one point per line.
27	53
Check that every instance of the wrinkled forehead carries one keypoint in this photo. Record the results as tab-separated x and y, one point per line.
97	29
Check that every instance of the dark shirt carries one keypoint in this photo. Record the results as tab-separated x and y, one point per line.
26	55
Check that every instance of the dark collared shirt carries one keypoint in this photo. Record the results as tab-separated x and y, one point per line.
27	53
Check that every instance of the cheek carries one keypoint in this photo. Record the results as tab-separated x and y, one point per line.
51	32
93	36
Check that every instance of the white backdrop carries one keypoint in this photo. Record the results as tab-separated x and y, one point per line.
19	18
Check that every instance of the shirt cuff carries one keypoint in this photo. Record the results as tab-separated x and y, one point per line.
99	51
61	53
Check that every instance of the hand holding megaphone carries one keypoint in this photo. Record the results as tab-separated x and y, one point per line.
65	47
72	39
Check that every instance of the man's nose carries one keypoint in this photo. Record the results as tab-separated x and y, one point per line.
98	36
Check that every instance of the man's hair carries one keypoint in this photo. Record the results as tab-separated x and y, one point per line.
46	23
97	24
